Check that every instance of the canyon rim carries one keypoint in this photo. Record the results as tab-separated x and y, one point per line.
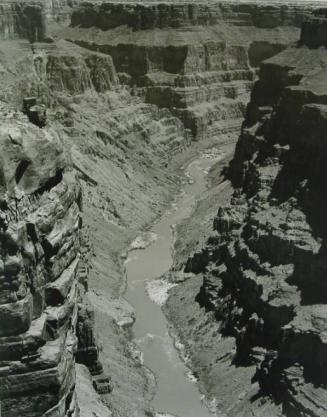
163	208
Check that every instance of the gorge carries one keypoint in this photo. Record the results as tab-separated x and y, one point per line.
179	138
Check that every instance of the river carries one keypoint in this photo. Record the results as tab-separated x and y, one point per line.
176	392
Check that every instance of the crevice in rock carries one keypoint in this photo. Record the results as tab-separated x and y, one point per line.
51	183
20	170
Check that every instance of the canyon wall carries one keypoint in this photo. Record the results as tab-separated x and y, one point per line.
31	19
25	20
198	60
108	127
40	224
119	148
263	298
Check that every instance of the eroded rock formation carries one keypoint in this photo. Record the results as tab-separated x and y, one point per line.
198	60
265	262
30	19
22	20
120	148
105	110
40	224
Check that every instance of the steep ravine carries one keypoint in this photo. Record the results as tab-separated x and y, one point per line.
175	393
96	160
253	319
81	92
122	151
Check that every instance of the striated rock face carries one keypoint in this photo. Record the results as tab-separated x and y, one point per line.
62	70
198	60
264	264
31	19
151	15
120	148
39	231
22	20
180	14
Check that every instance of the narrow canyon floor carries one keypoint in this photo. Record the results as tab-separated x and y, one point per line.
148	264
148	282
163	208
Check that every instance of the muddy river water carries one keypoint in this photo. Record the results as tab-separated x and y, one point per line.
176	392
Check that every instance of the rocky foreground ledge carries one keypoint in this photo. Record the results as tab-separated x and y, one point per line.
40	222
263	298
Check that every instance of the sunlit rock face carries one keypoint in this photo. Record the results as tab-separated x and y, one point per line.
46	322
198	60
265	263
40	224
119	147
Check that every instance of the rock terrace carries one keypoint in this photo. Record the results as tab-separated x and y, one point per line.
99	103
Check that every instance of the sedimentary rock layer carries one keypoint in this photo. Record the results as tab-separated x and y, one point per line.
31	19
22	20
198	60
39	266
120	149
265	262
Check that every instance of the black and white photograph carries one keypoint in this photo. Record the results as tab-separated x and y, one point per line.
163	208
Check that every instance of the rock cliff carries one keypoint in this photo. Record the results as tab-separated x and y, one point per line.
33	19
120	148
264	264
22	20
198	60
105	118
40	224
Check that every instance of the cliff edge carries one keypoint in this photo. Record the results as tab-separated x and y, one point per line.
263	297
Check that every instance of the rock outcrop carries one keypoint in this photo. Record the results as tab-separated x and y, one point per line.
265	262
21	19
120	148
33	19
40	222
45	200
198	60
118	109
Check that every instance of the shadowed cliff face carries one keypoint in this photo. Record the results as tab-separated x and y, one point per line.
264	264
31	19
22	20
109	15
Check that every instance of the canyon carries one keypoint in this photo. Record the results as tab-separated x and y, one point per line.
263	264
104	107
